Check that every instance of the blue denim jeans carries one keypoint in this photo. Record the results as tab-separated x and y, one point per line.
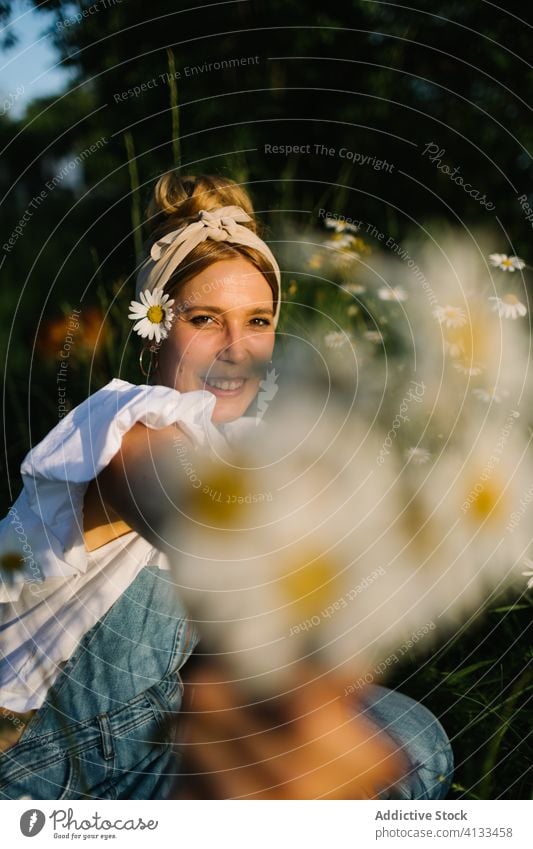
420	737
103	731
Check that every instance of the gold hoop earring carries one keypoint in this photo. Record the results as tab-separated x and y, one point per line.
152	365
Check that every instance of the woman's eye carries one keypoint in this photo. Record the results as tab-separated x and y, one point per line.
203	320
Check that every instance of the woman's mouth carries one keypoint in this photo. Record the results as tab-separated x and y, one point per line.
225	387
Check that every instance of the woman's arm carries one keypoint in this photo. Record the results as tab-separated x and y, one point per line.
311	743
138	488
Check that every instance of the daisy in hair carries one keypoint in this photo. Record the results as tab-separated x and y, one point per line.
153	316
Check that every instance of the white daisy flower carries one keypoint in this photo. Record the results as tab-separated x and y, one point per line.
373	336
469	368
453	349
488	395
343	259
529	572
396	293
509	306
417	456
341	226
450	316
353	288
336	339
507	263
342	241
464	508
153	315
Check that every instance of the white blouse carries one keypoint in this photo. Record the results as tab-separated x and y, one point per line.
63	590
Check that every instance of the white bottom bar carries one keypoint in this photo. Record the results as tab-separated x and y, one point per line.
269	825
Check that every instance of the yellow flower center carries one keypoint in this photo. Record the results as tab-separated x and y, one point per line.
475	339
488	503
309	585
510	299
155	314
453	312
223	499
421	530
507	263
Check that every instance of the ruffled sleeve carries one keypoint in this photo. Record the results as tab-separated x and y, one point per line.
45	525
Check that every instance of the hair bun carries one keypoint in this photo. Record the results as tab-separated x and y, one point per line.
178	200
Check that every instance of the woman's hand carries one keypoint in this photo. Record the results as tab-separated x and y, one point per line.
308	744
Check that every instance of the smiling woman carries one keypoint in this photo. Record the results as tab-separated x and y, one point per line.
93	643
223	341
96	493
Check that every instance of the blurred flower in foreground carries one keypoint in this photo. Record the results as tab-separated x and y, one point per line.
376	502
274	581
265	577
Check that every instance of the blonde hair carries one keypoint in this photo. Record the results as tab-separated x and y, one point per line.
176	202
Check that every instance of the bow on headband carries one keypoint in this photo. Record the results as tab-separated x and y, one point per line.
221	225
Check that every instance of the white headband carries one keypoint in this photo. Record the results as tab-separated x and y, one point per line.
220	224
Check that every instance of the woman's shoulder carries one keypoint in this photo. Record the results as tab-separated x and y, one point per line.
83	442
45	525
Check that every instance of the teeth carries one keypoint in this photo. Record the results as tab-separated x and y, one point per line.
226	384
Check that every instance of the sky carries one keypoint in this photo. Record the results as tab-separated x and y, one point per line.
32	63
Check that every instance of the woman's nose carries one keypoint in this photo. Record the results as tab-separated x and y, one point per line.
235	348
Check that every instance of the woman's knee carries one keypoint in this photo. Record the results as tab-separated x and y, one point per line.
420	736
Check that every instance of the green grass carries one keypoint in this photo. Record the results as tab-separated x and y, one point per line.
479	682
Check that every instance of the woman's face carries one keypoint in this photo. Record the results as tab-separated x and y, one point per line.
222	337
